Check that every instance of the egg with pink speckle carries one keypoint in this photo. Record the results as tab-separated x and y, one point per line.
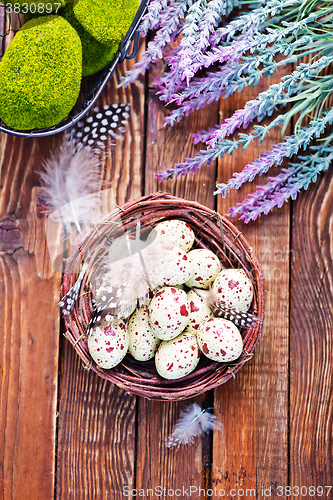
178	267
142	341
108	342
178	357
220	340
234	287
174	232
200	311
169	313
206	266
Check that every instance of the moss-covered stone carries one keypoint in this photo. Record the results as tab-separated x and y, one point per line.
95	55
40	74
106	20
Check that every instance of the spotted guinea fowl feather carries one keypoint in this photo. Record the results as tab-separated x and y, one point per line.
68	301
101	125
219	308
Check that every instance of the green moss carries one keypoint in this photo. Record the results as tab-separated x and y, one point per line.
40	74
95	55
106	20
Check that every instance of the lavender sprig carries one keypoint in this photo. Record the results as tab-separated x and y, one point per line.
202	19
233	77
267	101
257	42
169	24
285	149
151	19
212	61
250	23
193	164
286	185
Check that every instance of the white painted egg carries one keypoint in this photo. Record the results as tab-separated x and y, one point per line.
169	312
175	232
199	310
178	267
142	341
178	357
234	288
108	342
220	340
206	266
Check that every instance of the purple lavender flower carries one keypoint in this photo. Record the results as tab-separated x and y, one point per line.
235	55
279	151
152	18
285	185
169	23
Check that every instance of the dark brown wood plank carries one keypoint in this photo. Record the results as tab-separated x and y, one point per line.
157	465
29	328
253	452
96	434
311	326
96	440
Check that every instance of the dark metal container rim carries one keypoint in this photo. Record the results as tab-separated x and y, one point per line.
95	92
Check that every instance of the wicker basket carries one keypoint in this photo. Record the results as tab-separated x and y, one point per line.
141	378
92	86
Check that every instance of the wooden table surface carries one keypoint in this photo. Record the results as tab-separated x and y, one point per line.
67	434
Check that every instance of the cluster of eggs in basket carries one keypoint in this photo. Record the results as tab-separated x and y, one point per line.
177	324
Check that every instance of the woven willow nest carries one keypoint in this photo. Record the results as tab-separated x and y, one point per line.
232	249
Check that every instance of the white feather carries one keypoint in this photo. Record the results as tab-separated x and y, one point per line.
134	276
71	188
193	422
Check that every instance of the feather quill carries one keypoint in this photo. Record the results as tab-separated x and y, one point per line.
220	309
193	421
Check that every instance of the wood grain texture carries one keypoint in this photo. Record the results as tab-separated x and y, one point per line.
96	434
311	334
252	453
29	328
96	458
96	441
169	145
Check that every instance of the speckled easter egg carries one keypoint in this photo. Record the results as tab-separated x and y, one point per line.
233	287
220	340
108	342
142	341
206	266
169	312
199	310
178	267
174	232
177	357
